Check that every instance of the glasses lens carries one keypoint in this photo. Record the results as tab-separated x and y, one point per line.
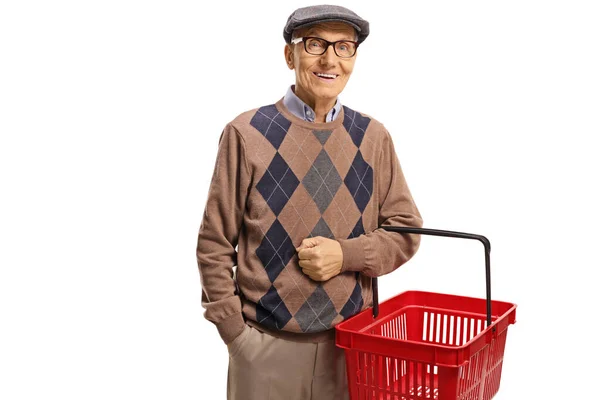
345	49
315	46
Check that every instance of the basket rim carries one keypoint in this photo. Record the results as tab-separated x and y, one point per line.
480	336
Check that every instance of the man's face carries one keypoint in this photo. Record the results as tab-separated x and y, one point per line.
307	66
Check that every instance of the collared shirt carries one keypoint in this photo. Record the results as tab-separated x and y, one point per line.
301	110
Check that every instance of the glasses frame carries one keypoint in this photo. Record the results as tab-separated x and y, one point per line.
305	38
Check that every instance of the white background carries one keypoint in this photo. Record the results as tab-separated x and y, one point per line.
110	114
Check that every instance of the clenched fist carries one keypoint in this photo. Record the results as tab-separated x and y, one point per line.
320	258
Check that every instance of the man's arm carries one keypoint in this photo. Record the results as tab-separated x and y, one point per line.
218	235
380	252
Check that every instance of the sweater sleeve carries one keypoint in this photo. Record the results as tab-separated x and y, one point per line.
380	252
218	235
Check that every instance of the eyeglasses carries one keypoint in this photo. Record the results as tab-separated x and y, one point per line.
317	46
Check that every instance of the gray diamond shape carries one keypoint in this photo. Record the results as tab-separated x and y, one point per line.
322	181
317	312
322	136
322	229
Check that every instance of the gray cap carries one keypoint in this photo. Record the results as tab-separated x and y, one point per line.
312	15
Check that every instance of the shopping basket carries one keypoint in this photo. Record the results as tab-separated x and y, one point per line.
421	345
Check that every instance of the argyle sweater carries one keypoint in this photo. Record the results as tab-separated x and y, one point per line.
279	179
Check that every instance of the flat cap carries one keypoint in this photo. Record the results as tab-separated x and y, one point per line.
312	15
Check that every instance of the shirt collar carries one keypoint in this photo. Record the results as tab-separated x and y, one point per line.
301	110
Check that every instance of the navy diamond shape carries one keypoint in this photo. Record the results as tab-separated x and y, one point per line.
277	184
275	250
359	181
358	229
355	124
317	312
274	126
354	304
271	310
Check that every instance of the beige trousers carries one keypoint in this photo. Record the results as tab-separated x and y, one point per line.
263	367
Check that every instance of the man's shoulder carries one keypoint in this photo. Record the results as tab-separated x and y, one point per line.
248	118
362	120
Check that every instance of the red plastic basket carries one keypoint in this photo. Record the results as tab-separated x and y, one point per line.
421	345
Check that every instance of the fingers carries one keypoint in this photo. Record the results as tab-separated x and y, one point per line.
316	270
315	275
310	274
308	264
310	242
309	249
308	254
310	269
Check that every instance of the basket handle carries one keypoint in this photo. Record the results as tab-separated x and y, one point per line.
437	232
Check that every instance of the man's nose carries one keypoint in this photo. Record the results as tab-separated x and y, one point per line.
329	57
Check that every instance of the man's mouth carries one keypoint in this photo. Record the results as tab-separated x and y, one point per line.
325	77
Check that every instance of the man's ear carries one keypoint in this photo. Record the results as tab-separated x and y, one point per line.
289	56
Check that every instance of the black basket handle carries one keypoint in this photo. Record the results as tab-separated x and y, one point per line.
437	232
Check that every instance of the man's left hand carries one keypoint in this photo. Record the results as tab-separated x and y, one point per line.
320	258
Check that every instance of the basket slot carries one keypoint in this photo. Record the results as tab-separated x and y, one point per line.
381	377
450	328
393	328
494	366
479	379
445	333
432	327
470	377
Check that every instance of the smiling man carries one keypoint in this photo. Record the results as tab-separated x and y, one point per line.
302	187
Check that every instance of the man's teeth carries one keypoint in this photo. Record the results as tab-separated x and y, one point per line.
326	75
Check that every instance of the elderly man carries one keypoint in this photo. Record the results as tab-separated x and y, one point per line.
301	187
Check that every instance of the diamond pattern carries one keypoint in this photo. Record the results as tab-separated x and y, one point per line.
274	126
322	203
342	150
300	148
358	229
322	229
354	304
317	312
355	124
322	136
322	181
300	215
271	310
277	184
275	250
342	214
359	181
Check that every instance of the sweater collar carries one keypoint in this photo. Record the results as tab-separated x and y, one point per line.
300	109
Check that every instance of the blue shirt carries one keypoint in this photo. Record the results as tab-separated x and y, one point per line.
301	110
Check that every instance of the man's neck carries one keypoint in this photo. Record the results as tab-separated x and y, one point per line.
320	106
